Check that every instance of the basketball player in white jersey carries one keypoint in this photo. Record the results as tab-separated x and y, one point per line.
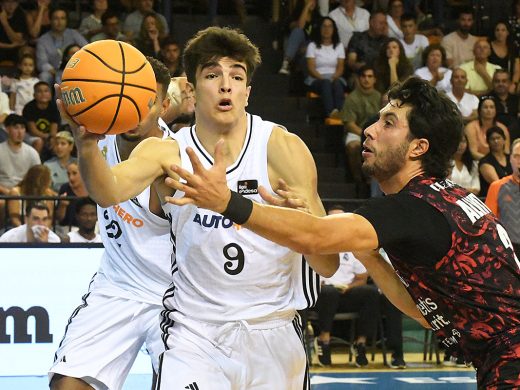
121	310
230	320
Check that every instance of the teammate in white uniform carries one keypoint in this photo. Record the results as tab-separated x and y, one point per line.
231	320
121	310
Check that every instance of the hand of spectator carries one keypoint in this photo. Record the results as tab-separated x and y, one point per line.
287	197
44	3
3	17
393	61
310	4
41	233
153	34
64	203
480	68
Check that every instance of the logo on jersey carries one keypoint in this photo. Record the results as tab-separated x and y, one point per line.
214	221
127	217
247	187
192	386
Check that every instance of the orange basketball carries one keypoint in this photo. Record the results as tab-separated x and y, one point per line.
108	87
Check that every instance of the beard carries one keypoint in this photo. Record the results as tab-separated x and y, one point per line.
387	163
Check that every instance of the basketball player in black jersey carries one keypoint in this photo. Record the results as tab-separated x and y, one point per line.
455	268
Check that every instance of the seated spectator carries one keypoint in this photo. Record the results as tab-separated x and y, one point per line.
134	20
67	54
505	54
21	90
42	117
362	103
63	157
413	43
65	214
110	28
151	33
50	46
181	110
391	65
467	103
347	291
349	18
4	107
503	198
480	71
91	24
476	130
434	69
38	20
37	228
13	31
36	182
393	18
507	103
459	44
465	170
496	164
304	20
86	216
325	64
171	57
364	47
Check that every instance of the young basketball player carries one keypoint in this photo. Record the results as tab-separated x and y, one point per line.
121	310
455	268
230	320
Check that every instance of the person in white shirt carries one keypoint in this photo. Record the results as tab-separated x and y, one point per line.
349	19
395	11
35	230
467	103
434	69
86	215
413	43
465	168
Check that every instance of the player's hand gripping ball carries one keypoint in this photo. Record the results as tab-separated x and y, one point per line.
108	86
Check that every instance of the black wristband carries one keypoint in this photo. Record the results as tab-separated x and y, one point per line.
238	209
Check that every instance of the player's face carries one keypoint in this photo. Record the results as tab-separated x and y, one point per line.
385	150
62	148
221	92
87	217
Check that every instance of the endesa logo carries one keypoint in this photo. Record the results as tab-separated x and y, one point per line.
20	319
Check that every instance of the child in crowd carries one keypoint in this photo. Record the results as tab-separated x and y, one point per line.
22	88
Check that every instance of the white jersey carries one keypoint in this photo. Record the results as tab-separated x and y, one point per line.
137	256
221	271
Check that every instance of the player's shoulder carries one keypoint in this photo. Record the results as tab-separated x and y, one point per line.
281	138
154	147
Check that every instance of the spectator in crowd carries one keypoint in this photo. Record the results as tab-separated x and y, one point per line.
459	44
86	216
38	20
325	65
65	214
151	33
240	8
304	20
347	291
42	117
393	18
50	46
63	157
465	170
476	130
4	107
413	43
507	104
467	103
391	65
134	20
111	28
13	31
91	24
349	18
36	182
494	165
479	70
434	69
514	22
36	229
22	87
171	56
360	105
505	54
68	52
364	47
503	198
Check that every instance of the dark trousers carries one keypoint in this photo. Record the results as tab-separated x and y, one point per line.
393	326
332	93
362	299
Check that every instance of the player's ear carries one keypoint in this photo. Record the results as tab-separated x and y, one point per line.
419	147
248	91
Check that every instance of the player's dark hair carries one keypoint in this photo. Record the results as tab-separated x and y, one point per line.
433	116
162	74
82	202
213	43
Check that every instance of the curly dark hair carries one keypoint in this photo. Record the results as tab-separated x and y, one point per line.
433	116
428	49
214	43
316	33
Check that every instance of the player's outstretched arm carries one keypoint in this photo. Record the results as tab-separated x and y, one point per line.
302	232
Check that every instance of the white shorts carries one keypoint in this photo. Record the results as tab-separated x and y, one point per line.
351	137
235	356
104	336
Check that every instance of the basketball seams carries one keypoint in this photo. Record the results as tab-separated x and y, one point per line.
123	75
110	66
112	82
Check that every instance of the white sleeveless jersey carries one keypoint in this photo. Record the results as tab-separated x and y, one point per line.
137	256
224	272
